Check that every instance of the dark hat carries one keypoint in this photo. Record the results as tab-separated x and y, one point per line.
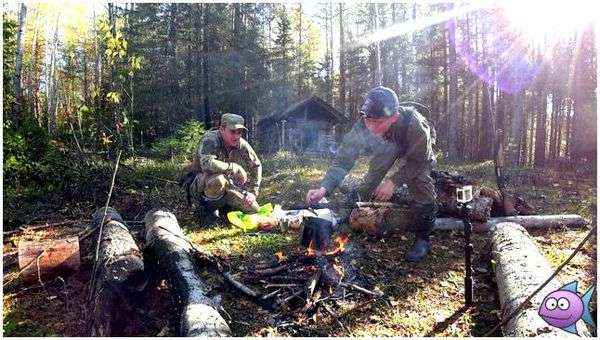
381	102
232	121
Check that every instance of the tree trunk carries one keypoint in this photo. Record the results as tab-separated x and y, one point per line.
531	123
515	127
171	52
452	95
206	49
343	62
18	101
116	116
34	77
42	260
540	131
331	65
520	270
119	275
299	52
174	256
97	68
377	75
584	137
51	92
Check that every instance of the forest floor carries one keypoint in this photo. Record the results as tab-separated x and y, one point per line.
422	299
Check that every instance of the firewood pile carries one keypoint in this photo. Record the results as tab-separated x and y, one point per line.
307	284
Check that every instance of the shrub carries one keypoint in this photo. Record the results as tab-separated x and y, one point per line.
181	145
27	151
283	160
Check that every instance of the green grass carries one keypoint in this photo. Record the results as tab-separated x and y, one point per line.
16	323
421	296
231	241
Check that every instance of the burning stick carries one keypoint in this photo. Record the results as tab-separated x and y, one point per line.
243	288
287	278
270	295
283	303
265	265
283	285
246	290
271	271
360	289
312	284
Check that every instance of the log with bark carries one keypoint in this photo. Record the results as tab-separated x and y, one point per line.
487	202
42	260
174	256
520	269
119	275
381	220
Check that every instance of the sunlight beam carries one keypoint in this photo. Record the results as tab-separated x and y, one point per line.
415	25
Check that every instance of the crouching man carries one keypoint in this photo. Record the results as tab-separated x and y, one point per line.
403	155
226	172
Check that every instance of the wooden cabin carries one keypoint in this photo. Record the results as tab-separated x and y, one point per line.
311	127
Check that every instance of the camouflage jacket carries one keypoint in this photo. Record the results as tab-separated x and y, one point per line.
213	156
412	153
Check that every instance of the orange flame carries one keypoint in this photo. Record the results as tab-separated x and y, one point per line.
340	243
339	268
312	248
280	256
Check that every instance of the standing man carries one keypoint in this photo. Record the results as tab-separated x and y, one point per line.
226	171
403	155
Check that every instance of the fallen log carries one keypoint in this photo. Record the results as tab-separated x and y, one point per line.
528	221
377	223
42	260
174	256
119	274
520	270
30	227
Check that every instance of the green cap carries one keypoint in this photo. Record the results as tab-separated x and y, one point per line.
232	121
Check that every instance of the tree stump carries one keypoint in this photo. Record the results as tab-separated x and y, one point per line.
175	259
520	270
119	275
41	260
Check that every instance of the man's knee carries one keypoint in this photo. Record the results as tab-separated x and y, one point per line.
235	200
215	187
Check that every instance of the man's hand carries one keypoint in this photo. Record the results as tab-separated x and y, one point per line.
239	174
384	191
315	195
249	199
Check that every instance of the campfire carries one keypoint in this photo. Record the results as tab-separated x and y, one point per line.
309	282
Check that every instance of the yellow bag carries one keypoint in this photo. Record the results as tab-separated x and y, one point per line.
263	219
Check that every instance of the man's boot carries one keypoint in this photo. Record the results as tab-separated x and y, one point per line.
209	214
425	216
420	248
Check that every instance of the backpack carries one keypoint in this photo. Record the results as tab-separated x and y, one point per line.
425	112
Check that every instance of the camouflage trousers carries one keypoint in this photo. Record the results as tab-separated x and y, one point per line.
214	191
417	177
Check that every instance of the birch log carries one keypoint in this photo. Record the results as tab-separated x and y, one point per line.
527	221
376	221
174	257
119	274
520	269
